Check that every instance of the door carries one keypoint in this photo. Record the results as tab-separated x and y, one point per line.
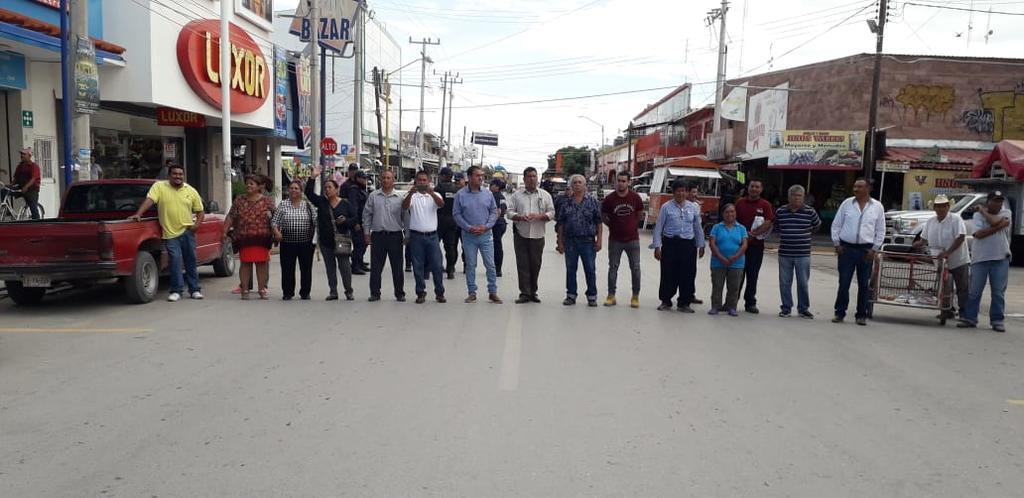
45	153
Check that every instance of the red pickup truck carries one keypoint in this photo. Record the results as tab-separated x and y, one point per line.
92	241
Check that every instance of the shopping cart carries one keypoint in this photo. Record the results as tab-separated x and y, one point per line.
902	277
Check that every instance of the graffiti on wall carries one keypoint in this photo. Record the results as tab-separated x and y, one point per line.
925	101
999	115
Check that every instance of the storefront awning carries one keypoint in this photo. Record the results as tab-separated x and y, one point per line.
24	29
1009	154
692	162
934	157
694	172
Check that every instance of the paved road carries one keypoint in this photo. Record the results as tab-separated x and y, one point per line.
231	398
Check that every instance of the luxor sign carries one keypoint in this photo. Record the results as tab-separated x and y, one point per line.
199	60
166	116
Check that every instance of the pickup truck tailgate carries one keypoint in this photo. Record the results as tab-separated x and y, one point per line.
49	242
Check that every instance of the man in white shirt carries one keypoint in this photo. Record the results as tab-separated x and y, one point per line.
858	231
422	204
530	210
944	235
990	262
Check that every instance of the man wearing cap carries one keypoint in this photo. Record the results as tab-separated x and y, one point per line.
944	235
497	186
357	195
446	227
530	210
27	176
990	262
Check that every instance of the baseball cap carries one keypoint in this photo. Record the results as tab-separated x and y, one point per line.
26	150
996	194
941	199
360	174
353	167
459	176
445	171
498	182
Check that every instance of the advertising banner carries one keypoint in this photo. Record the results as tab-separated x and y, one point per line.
816	149
920	186
302	99
336	26
768	112
734	105
280	92
87	77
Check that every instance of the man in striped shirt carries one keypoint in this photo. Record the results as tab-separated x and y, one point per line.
795	222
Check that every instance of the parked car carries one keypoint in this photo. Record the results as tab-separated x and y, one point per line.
902	227
91	241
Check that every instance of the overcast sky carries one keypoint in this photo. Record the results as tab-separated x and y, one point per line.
567	48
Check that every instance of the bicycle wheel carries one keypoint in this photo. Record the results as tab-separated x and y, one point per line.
26	214
6	213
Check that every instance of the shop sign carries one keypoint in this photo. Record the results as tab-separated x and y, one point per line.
719	145
480	138
335	25
199	60
302	101
87	77
734	105
768	112
920	186
816	149
167	116
170	150
892	166
27	119
12	71
280	92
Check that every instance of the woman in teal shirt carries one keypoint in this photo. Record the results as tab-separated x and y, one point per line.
728	243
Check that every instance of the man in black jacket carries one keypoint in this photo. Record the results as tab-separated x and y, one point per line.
446	226
355	191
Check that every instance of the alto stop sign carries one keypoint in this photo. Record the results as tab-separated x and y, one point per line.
329	146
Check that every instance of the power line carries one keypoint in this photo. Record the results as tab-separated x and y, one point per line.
965	9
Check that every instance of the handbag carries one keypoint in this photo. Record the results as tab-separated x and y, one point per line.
342	241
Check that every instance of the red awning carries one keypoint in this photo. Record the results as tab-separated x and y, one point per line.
957	159
691	162
1009	154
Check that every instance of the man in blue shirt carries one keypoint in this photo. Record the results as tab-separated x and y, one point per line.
678	239
476	212
579	238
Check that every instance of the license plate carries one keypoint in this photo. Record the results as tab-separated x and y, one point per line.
35	281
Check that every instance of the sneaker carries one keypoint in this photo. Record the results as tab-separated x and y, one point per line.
807	314
634	302
685	309
610	301
752	310
664	306
837	319
592	302
420	299
963	324
173	297
470	299
349	296
495	299
784	314
998	327
862	322
733	312
441	299
568	301
197	295
713	311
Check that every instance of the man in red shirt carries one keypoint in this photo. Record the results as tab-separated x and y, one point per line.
757	215
622	211
27	176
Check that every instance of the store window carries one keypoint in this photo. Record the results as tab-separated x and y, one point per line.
43	151
123	155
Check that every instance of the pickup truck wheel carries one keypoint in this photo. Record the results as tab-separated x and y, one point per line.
24	296
141	285
224	266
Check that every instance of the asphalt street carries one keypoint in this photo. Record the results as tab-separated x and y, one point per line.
224	397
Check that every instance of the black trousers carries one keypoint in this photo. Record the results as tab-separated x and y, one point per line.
499	251
752	268
292	252
358	249
528	260
678	270
386	246
449	233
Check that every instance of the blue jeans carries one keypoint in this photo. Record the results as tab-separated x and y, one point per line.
997	274
801	265
426	259
485	244
854	260
577	248
182	250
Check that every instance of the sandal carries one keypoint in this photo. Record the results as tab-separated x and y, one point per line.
264	293
245	295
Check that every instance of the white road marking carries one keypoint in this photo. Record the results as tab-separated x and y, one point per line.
510	359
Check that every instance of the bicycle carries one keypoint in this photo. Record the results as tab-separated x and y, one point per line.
8	212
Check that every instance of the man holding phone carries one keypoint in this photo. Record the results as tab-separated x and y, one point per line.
422	203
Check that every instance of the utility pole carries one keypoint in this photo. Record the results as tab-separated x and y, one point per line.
455	80
376	100
80	141
444	96
872	148
314	91
360	83
423	86
719	15
225	95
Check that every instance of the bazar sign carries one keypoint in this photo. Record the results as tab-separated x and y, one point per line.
167	116
199	60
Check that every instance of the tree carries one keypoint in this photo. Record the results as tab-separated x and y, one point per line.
575	160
